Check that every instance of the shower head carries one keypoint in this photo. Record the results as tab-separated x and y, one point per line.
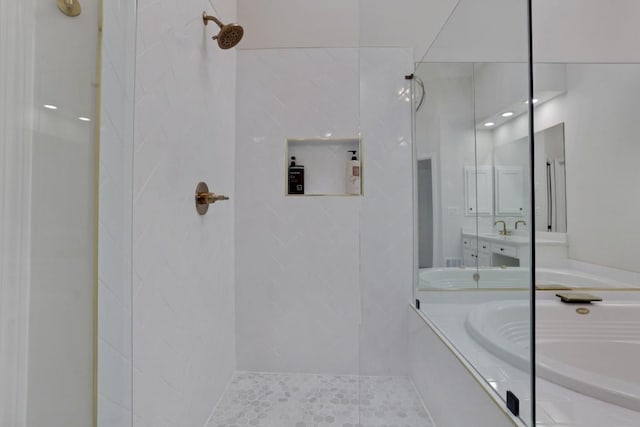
229	35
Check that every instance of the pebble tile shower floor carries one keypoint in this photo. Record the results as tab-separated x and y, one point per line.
299	400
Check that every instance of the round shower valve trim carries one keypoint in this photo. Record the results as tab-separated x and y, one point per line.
204	198
69	7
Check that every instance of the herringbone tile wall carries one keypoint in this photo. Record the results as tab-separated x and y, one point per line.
115	367
297	259
183	297
306	268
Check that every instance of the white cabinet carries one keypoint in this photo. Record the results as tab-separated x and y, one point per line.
473	258
510	190
484	259
476	252
484	254
469	258
487	251
478	190
469	251
504	250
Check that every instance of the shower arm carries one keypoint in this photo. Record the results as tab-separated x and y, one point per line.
206	18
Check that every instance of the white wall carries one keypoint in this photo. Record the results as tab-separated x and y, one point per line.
586	31
386	218
297	259
298	23
483	31
339	23
403	23
302	264
183	301
602	159
115	367
564	31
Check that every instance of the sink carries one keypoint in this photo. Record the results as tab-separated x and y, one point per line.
500	237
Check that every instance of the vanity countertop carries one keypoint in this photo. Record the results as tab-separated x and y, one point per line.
517	240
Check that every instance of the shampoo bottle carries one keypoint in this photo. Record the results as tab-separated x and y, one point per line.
296	177
353	174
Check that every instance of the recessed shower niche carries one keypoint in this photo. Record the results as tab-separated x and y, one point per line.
328	166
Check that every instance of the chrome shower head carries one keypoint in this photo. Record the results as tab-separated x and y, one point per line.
229	35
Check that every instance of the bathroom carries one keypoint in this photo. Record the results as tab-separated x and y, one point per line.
133	295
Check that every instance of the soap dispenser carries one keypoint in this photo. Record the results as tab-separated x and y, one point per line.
296	177
353	174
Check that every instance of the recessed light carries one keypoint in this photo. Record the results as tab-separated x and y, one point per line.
507	114
535	101
489	124
50	107
84	119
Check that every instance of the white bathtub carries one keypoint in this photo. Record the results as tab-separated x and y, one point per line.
596	354
511	277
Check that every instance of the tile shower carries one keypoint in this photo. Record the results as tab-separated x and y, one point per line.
281	311
300	400
288	291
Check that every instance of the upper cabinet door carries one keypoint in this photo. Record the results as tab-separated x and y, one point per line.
478	181
509	191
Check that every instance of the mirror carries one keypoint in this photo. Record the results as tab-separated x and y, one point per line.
472	73
474	133
550	180
581	217
479	187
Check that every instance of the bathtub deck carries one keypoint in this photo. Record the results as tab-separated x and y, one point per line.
556	406
299	400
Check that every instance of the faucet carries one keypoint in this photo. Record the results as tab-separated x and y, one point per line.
504	231
520	222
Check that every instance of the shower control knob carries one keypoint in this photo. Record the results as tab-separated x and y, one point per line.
204	198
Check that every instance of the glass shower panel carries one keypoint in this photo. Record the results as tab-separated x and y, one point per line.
586	186
472	135
385	217
115	347
445	142
386	238
48	120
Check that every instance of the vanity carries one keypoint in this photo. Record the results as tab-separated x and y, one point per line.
496	250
